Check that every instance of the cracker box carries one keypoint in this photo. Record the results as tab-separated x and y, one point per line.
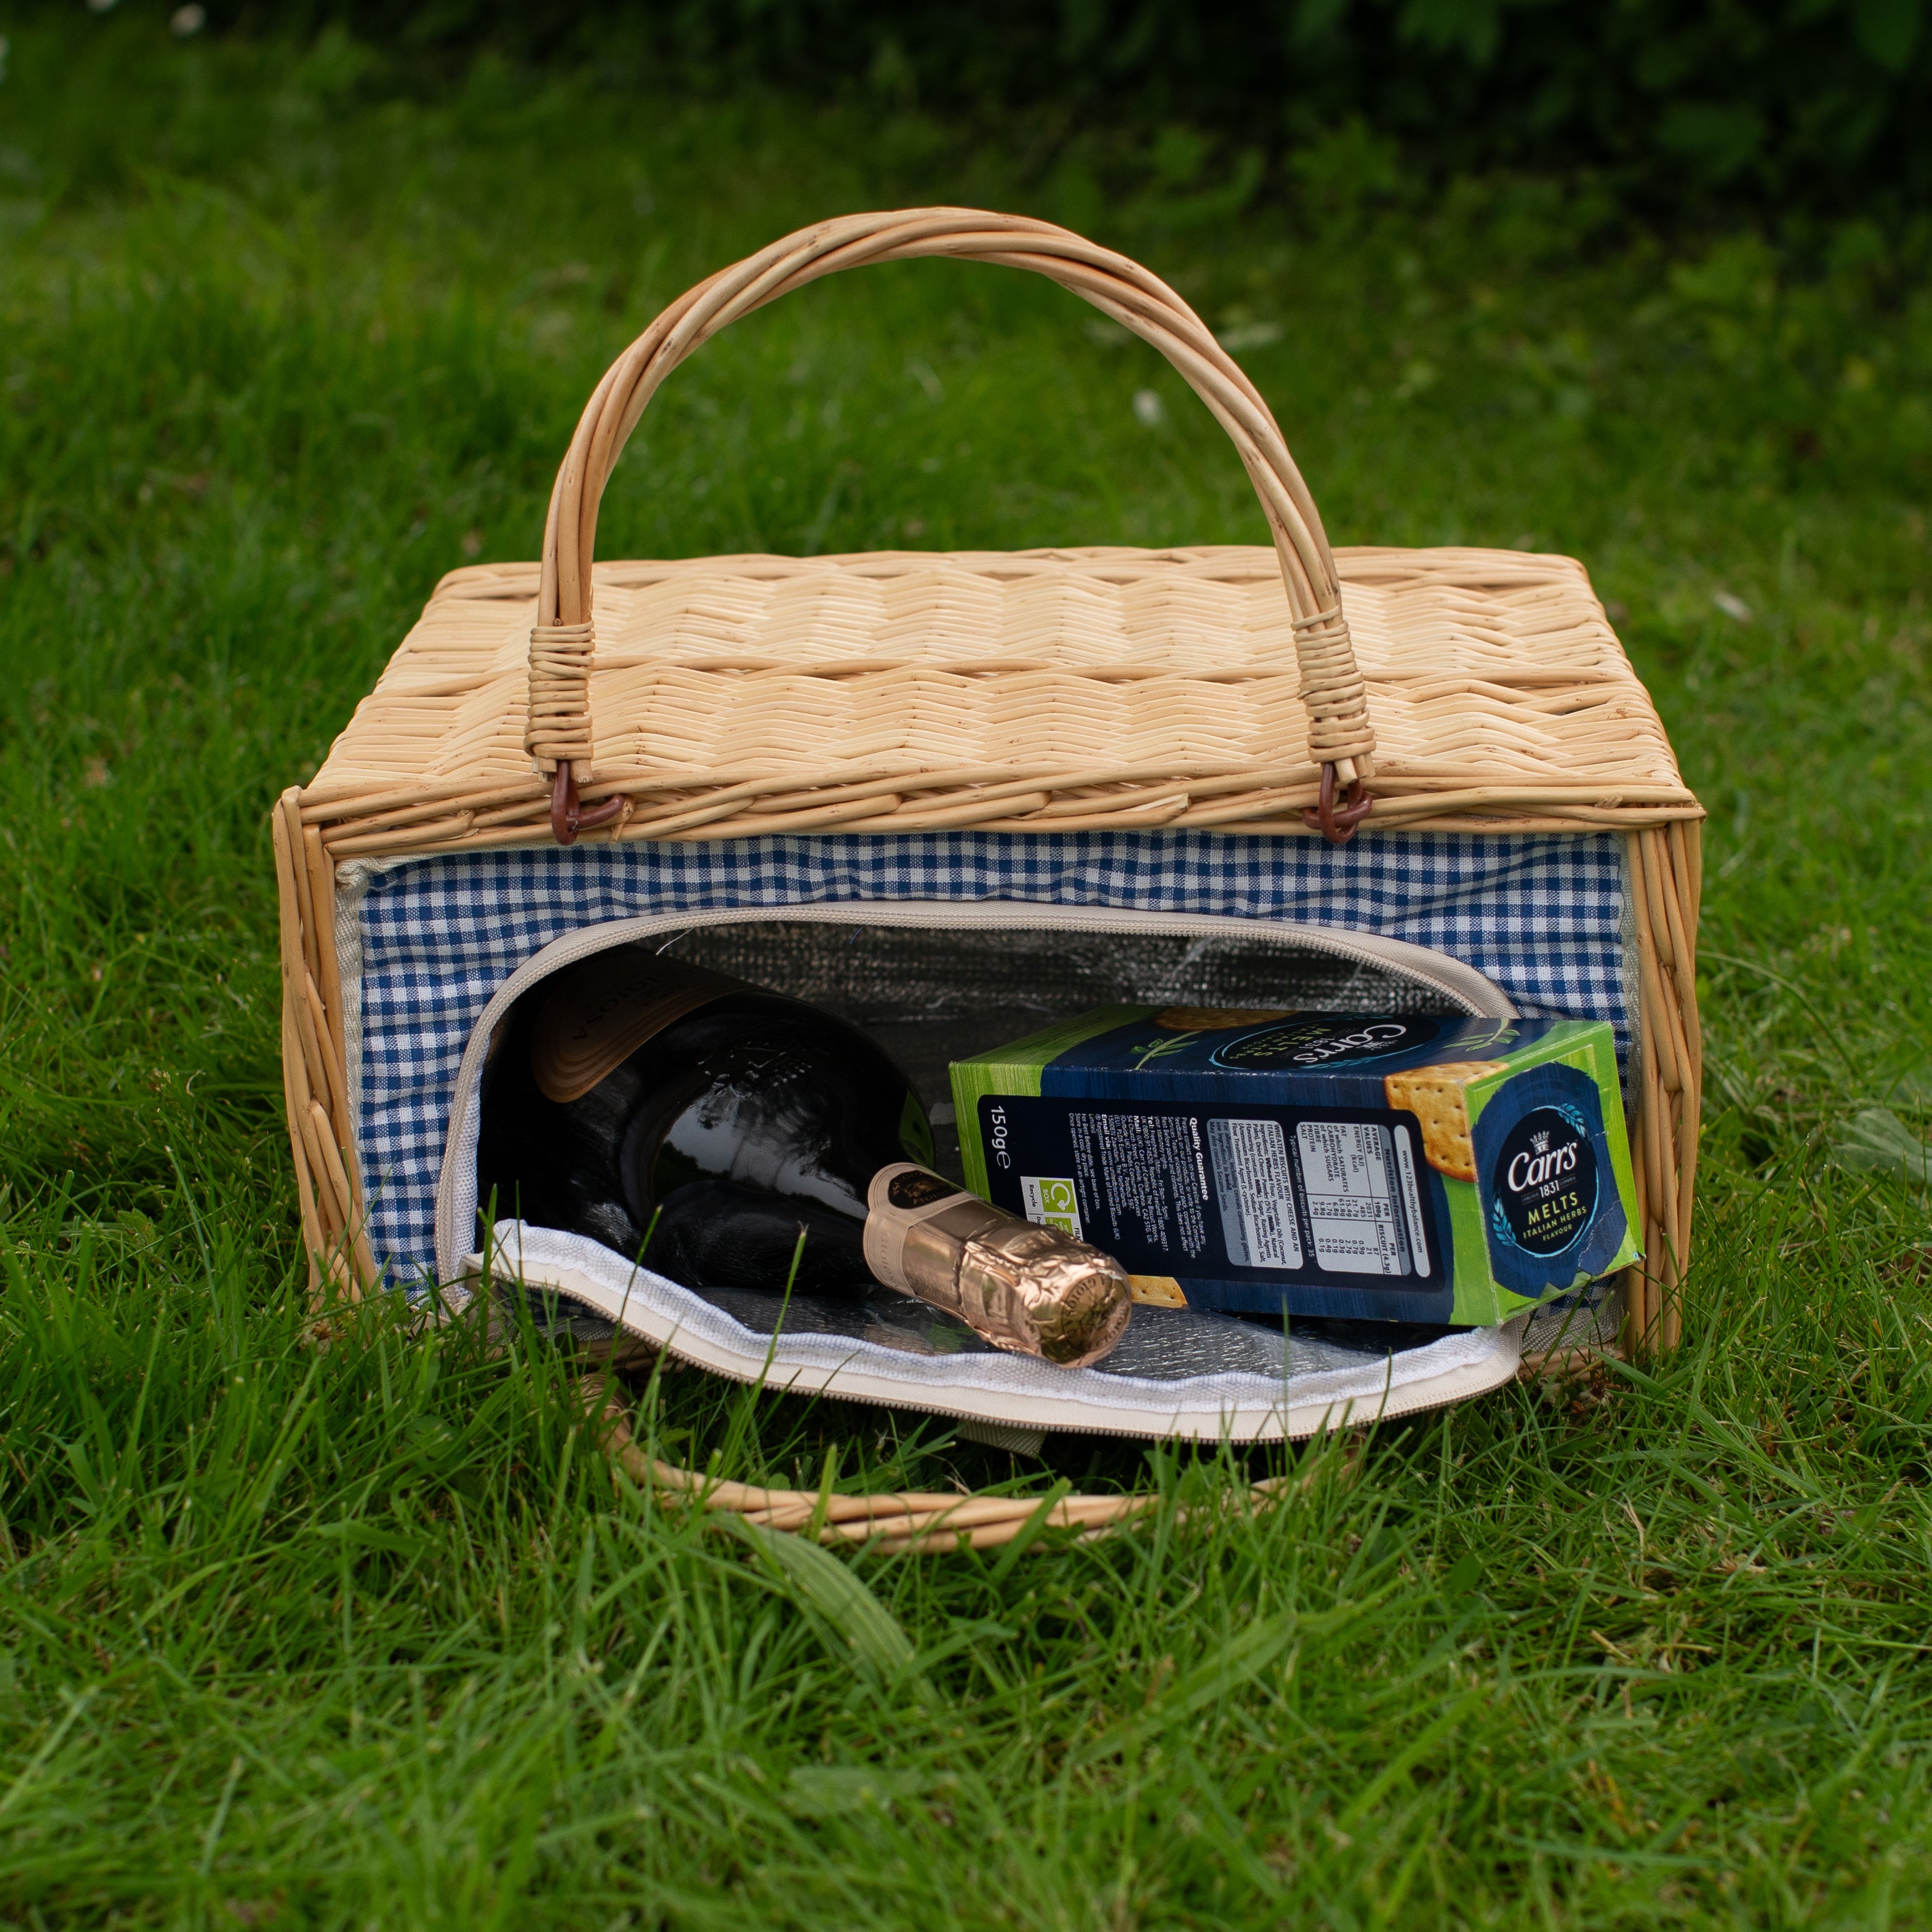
1405	1167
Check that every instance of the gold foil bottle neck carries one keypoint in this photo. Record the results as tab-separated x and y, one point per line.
1031	1290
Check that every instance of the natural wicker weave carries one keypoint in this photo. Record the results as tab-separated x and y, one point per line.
895	1523
723	697
1043	691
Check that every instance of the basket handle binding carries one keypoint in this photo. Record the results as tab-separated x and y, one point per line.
563	645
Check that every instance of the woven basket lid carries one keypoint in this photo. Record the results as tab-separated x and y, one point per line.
1243	688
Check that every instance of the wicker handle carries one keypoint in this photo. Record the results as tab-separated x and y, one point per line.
558	736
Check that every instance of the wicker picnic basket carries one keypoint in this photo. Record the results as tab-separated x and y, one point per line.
552	735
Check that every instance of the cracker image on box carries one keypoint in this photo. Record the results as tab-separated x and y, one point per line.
1437	1096
1156	1291
1215	1019
1407	1167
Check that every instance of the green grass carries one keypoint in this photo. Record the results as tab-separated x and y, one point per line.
367	1637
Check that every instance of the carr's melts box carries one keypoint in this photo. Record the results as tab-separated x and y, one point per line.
1414	1168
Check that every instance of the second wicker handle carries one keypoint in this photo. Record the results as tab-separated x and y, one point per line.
562	645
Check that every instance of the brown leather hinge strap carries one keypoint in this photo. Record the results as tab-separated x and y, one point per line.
567	818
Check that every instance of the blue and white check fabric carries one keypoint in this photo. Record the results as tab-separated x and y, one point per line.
1542	916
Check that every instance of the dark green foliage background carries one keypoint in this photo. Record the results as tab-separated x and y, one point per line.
1801	105
370	1637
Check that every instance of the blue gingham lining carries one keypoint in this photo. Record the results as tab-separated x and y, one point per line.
1543	916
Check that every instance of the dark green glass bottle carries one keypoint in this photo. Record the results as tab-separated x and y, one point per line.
633	1094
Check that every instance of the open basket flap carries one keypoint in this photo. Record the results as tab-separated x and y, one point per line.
1182	1373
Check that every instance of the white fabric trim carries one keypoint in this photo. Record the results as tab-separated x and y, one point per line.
1015	1391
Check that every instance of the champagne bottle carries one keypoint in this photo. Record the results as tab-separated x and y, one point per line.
634	1094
